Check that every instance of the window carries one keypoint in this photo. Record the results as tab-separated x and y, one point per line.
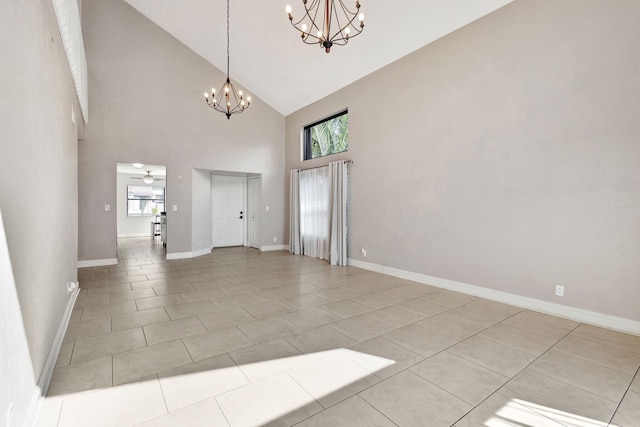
328	136
144	201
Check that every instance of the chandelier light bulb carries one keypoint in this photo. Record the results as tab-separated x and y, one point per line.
361	17
240	93
347	31
304	28
288	9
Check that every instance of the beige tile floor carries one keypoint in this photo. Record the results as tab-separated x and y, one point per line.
243	338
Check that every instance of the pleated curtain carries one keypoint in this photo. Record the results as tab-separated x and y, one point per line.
338	198
295	243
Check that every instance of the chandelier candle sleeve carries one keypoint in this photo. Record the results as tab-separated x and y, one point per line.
229	101
328	22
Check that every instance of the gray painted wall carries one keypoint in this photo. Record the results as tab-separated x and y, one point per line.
146	102
38	187
504	155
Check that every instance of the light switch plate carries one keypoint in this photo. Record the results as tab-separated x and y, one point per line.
175	208
107	208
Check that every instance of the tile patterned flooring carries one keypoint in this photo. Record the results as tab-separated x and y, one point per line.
243	338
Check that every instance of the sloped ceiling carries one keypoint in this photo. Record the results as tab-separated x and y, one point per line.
269	60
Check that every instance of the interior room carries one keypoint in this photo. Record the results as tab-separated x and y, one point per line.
477	168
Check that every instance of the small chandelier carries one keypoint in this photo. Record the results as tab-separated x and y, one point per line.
148	178
337	25
228	101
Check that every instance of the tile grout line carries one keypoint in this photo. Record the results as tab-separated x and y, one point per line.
520	371
636	375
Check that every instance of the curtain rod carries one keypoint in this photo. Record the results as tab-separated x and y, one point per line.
324	166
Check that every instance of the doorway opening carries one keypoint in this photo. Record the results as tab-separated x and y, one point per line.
235	209
141	207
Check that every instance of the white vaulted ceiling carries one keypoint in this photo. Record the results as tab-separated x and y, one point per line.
269	60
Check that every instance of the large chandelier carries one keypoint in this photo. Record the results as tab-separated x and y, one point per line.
330	25
228	101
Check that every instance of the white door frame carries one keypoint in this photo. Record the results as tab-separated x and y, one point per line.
251	209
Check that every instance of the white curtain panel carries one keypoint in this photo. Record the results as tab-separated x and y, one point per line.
295	243
314	212
318	204
338	172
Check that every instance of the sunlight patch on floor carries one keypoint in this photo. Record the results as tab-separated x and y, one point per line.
293	387
520	413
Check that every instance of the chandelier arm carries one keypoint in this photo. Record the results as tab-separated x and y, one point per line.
350	24
340	27
236	99
315	6
354	16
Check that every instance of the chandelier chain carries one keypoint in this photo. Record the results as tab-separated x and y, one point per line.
229	100
227	38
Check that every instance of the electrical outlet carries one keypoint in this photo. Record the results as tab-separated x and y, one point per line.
107	208
560	290
175	208
364	252
275	239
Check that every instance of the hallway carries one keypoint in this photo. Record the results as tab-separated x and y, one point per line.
244	338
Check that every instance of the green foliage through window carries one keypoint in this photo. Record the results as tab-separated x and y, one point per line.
329	136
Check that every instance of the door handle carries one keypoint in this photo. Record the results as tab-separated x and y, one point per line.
240	217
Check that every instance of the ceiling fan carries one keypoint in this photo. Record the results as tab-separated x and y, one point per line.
148	178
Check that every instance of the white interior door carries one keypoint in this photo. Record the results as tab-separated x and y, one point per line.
228	210
254	212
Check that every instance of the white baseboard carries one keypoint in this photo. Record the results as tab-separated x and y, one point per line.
35	406
201	252
49	365
179	255
580	315
97	262
183	255
274	248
